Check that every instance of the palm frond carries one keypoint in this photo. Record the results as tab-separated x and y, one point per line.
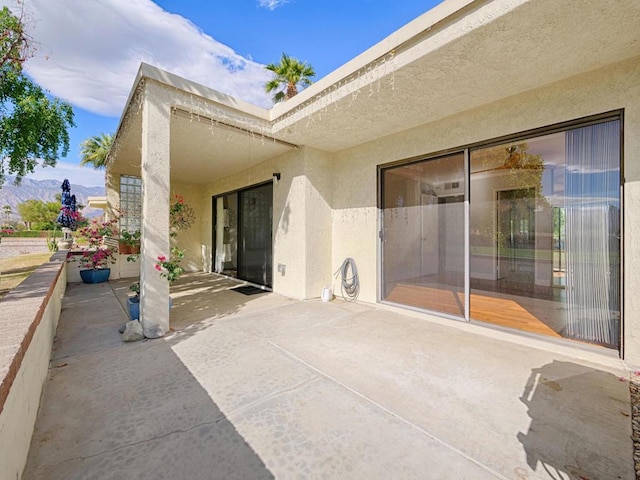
95	150
288	75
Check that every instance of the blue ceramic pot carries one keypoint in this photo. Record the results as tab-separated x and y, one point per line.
134	307
98	275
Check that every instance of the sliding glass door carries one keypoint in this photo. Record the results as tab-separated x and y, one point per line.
243	234
255	240
545	243
423	234
543	234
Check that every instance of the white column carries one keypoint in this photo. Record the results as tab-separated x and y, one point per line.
154	290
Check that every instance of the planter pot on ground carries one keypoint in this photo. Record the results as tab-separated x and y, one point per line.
97	275
134	307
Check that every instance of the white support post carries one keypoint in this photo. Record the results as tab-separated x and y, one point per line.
154	290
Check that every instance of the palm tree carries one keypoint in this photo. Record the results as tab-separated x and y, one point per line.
288	75
94	150
7	213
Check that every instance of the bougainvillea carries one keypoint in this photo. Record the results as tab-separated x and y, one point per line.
97	254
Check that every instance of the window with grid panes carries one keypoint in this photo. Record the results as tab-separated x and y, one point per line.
130	203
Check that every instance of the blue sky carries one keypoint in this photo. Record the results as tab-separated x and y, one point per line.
88	51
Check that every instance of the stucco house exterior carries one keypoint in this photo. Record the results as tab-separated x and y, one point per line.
478	165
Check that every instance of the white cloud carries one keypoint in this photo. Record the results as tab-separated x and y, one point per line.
89	52
272	4
76	174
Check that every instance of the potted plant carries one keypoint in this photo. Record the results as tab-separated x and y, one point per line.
170	268
133	301
129	242
181	217
96	256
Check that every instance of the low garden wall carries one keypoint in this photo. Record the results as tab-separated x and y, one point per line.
30	315
120	269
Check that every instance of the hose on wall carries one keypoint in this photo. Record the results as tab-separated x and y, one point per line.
350	284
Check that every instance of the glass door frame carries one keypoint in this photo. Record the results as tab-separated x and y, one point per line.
467	150
214	199
381	234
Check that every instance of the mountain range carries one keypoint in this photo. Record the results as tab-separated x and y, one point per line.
45	190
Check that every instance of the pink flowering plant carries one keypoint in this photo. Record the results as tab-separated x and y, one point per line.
95	232
181	217
97	255
75	216
170	268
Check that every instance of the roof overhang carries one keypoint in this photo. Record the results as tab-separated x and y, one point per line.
97	202
456	57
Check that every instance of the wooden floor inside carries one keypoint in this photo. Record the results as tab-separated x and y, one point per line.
498	311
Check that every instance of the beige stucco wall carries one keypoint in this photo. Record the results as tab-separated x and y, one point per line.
318	198
301	218
190	240
288	216
354	199
325	204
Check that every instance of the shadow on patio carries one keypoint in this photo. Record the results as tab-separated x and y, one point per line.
254	386
115	410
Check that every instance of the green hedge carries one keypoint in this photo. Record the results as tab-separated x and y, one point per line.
33	234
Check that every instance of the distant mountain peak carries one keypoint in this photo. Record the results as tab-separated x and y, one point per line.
45	190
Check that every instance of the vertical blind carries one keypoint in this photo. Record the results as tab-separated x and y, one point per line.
592	201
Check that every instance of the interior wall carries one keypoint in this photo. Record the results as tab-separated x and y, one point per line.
402	224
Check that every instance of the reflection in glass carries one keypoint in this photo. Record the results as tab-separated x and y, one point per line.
255	245
423	234
226	234
243	234
545	234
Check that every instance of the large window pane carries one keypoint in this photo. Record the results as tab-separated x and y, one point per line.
423	237
545	234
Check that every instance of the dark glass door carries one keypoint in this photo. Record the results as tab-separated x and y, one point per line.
255	234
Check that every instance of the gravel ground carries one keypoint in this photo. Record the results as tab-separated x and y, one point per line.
634	388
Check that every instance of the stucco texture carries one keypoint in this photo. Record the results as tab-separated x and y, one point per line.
355	171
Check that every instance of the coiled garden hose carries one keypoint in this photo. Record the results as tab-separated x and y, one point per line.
350	285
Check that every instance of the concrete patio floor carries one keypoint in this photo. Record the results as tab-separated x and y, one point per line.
263	386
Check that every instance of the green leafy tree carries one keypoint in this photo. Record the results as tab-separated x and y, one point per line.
14	41
33	126
288	75
39	214
94	150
